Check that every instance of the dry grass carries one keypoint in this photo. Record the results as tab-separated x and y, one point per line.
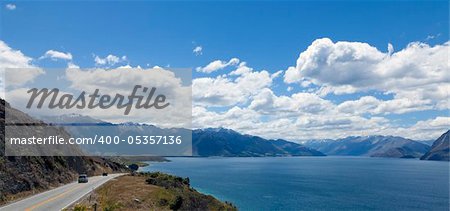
134	193
123	193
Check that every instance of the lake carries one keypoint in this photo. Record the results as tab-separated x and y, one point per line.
312	183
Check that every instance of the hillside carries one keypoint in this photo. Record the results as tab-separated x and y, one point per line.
21	176
440	150
372	146
150	191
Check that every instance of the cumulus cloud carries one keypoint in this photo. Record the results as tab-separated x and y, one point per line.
291	124
372	105
10	6
363	66
117	81
217	65
419	73
304	116
422	130
18	68
230	90
109	60
10	58
198	51
55	55
72	65
267	102
414	79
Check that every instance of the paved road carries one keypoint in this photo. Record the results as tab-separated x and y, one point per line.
59	198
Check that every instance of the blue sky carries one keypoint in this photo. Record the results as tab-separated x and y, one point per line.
267	35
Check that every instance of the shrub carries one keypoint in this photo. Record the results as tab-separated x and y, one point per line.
176	205
163	202
80	207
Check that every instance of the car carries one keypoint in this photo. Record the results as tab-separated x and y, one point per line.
83	178
105	174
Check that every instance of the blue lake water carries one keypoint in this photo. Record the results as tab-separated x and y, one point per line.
312	183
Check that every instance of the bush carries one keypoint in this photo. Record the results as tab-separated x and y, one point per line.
80	207
176	205
163	202
166	181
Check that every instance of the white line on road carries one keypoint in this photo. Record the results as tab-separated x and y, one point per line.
59	198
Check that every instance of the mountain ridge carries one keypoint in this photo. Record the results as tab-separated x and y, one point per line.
206	141
372	146
227	142
440	150
222	142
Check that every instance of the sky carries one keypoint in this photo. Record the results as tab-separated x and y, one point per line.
294	69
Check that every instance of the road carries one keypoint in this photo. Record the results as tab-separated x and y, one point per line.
59	198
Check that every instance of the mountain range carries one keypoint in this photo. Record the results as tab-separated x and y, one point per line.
227	142
371	146
205	142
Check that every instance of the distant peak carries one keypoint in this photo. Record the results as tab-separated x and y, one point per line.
219	130
72	115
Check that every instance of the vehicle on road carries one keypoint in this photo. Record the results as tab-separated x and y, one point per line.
105	174
83	178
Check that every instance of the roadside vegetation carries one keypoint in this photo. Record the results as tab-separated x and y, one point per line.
150	191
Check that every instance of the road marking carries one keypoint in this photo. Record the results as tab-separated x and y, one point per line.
61	191
50	199
55	197
113	176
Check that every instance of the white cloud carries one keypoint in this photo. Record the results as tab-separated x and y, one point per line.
390	49
242	69
418	73
120	81
307	116
429	129
22	70
267	102
72	65
308	121
10	6
54	55
324	68
372	105
198	51
217	65
364	67
276	74
430	37
246	99
10	58
109	60
228	90
341	63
